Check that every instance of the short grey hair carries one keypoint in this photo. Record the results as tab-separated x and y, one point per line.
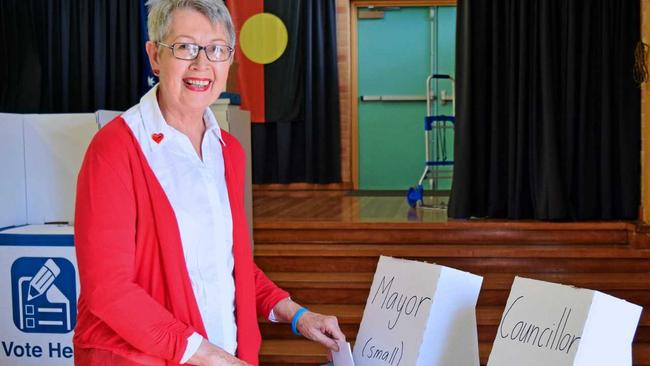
160	16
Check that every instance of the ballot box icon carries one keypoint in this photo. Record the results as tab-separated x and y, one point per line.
44	295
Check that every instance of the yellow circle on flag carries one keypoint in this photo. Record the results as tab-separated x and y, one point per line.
263	38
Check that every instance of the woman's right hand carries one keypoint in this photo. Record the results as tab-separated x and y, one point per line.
210	355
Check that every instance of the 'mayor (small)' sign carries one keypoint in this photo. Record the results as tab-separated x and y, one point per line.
419	314
551	324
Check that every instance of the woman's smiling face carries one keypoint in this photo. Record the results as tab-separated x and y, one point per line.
190	84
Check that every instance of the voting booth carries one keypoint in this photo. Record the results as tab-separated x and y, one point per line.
419	313
551	324
40	157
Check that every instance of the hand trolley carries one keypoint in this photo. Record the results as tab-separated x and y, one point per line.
435	140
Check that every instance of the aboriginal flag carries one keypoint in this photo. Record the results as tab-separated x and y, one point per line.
286	58
288	78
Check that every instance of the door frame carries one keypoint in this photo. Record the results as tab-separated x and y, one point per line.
354	59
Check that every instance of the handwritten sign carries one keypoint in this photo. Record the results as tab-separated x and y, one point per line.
551	324
419	314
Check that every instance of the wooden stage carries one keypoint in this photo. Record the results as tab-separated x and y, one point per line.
323	247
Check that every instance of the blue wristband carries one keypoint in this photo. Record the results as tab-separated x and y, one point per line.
294	320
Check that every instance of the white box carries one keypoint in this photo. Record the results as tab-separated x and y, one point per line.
419	314
551	324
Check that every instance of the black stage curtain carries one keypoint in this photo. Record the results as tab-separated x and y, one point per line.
69	55
300	142
548	115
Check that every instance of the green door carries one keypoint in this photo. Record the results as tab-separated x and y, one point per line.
396	53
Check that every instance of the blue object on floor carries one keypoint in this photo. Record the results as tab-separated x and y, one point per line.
414	195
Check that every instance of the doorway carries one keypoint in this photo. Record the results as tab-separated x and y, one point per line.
397	48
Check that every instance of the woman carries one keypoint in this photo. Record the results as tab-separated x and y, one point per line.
163	249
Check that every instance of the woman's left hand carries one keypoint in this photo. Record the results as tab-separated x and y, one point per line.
323	329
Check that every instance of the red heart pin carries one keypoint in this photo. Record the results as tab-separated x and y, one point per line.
157	137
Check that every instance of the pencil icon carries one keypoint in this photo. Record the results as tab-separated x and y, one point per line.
43	279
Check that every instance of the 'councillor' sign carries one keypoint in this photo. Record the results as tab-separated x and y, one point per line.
550	324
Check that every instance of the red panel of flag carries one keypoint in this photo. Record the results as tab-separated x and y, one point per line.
250	74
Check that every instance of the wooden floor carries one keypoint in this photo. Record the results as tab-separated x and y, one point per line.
340	207
323	246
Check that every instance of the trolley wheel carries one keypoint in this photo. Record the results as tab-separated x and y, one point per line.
414	195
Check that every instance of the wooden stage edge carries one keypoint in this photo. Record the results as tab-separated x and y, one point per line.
634	234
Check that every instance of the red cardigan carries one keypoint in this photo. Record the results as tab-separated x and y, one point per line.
136	299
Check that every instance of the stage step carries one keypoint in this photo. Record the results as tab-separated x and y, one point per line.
349	317
453	232
303	352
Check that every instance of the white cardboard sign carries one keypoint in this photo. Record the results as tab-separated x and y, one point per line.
419	314
551	324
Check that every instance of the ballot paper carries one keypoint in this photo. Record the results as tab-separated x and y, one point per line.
344	356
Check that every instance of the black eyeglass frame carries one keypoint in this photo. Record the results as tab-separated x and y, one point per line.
204	48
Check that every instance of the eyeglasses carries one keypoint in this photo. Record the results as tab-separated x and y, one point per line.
190	51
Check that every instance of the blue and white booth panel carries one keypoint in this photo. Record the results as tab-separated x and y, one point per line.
39	288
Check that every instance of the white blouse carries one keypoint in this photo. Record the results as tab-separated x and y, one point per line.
198	195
